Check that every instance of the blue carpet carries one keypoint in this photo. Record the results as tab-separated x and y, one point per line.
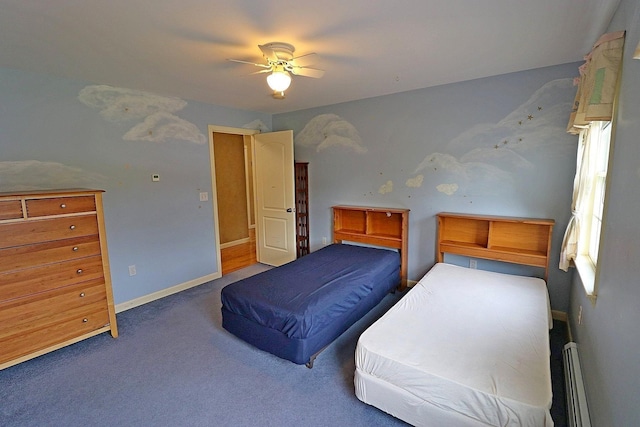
174	365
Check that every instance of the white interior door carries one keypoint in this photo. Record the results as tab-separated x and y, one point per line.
275	198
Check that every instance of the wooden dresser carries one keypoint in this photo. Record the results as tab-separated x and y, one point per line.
55	284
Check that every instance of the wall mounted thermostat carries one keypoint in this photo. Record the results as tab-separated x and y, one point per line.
155	177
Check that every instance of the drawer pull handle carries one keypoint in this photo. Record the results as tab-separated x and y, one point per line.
75	249
63	206
85	320
81	294
73	227
79	271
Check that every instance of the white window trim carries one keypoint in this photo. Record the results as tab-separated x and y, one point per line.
582	261
587	272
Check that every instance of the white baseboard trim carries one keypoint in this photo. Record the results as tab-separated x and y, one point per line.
234	243
563	317
559	315
124	306
411	283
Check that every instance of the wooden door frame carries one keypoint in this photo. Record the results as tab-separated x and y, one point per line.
214	188
249	183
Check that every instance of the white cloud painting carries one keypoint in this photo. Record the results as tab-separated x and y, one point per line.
447	189
158	124
161	126
386	188
415	182
492	157
330	130
35	175
257	125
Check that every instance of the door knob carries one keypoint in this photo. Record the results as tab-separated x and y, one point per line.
289	210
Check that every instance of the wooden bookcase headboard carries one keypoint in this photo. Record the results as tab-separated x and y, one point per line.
516	240
388	227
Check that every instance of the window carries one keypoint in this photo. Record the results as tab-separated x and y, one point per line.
599	147
591	118
595	139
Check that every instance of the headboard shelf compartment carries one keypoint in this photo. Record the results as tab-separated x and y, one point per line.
508	239
374	226
350	221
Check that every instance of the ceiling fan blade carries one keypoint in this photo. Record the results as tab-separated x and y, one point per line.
262	71
307	72
250	63
304	60
268	53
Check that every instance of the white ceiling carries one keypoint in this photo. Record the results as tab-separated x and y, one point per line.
367	47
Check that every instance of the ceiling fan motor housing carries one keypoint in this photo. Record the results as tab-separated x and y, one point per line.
283	51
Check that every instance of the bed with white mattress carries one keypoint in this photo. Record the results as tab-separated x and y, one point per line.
463	347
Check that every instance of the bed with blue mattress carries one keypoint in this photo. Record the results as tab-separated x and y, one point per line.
296	310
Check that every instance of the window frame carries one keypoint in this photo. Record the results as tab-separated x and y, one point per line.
598	137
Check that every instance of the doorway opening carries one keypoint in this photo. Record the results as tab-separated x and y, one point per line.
239	255
257	193
234	197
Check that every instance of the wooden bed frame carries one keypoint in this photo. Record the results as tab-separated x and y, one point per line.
524	241
354	276
515	240
378	226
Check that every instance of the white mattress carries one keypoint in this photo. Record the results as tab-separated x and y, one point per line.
469	343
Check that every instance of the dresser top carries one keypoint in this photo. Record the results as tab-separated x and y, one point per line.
49	193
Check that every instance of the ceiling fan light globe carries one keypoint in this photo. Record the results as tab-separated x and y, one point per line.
279	80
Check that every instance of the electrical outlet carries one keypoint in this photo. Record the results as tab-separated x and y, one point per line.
132	270
580	315
473	263
324	240
204	196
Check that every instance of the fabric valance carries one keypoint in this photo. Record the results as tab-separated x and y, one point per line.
597	82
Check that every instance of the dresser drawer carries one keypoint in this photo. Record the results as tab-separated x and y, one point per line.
19	257
22	315
28	232
78	322
55	284
10	209
60	206
21	283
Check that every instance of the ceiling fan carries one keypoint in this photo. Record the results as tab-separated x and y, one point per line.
281	64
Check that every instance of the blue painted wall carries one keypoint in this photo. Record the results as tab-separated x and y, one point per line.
609	336
48	138
491	146
52	137
488	146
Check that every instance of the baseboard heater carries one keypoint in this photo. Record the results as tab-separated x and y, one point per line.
577	411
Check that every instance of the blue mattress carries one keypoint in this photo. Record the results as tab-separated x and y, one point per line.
295	310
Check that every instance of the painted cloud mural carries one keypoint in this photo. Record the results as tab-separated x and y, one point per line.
257	125
159	123
31	174
386	187
491	157
328	130
415	182
161	126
